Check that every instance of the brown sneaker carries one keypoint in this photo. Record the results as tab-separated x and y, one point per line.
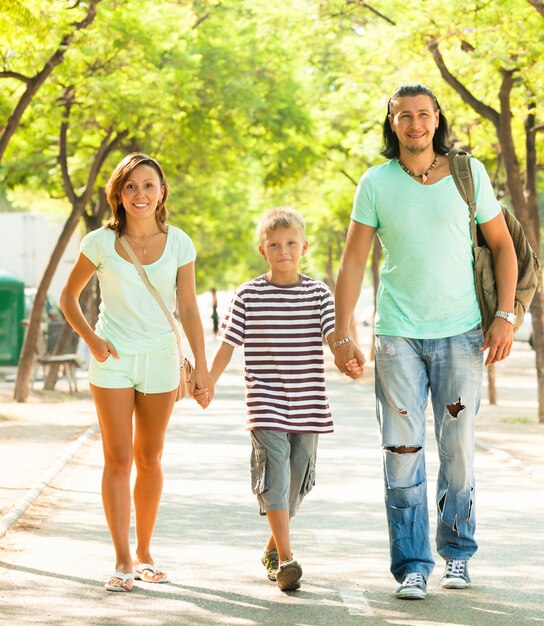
288	575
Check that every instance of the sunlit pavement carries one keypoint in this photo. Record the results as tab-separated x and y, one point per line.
209	536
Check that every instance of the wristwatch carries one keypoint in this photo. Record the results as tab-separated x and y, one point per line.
509	317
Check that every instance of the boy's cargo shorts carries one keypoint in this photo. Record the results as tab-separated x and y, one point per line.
148	372
282	468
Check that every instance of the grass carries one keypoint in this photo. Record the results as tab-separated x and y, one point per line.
517	420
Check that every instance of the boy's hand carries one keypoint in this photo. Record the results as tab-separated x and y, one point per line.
354	369
202	397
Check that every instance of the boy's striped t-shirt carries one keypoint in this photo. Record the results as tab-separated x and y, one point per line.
281	328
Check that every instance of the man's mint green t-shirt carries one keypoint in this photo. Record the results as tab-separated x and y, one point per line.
130	317
427	279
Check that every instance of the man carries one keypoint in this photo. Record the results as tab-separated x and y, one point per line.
428	335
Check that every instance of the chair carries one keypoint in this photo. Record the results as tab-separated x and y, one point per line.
68	362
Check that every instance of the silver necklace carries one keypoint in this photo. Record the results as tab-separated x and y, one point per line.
144	247
425	173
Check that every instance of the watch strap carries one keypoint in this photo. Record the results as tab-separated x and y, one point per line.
506	315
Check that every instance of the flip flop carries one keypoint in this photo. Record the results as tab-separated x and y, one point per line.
141	569
124	578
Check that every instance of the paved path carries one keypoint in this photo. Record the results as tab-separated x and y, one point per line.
209	536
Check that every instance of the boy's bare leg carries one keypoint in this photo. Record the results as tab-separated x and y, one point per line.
271	544
279	525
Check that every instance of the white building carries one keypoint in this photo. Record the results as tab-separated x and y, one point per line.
27	241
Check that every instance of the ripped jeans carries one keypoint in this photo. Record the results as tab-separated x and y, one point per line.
406	371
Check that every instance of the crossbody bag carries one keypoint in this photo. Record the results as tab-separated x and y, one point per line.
185	367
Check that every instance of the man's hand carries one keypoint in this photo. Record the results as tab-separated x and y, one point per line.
498	339
349	359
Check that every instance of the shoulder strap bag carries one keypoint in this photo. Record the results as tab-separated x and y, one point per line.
484	278
185	367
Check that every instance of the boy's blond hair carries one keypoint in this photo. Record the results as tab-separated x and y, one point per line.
282	217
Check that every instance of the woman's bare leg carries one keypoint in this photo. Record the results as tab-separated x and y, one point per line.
115	408
152	413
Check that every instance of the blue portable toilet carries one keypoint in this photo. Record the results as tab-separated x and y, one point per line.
12	313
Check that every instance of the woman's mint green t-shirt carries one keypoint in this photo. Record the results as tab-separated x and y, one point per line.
130	317
427	279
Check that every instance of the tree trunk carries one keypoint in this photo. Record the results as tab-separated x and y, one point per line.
90	297
330	272
533	234
492	384
26	360
524	200
90	301
522	189
79	203
60	348
537	315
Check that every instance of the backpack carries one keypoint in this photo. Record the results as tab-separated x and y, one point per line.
484	279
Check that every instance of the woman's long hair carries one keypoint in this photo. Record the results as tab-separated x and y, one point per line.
391	148
114	186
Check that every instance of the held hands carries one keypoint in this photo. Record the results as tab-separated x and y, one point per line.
354	369
200	386
498	339
349	359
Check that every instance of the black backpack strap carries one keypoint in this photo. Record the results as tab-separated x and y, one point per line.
462	175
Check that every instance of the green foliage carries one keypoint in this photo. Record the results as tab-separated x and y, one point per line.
250	104
14	13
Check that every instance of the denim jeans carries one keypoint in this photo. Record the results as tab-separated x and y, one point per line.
407	370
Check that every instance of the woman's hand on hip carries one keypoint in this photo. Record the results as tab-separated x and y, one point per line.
102	349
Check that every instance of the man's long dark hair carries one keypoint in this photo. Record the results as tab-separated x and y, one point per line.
391	148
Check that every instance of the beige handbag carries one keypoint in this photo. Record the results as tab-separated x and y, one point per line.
185	367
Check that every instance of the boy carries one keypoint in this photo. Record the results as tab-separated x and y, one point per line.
280	318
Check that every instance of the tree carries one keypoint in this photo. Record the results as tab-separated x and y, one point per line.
109	142
498	78
250	104
34	82
190	75
516	92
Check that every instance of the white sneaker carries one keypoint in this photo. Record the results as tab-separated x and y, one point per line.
413	587
455	575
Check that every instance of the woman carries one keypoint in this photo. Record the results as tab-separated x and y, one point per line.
134	367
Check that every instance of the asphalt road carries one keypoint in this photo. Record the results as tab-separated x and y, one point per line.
209	537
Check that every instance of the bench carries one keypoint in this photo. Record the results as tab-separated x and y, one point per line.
68	362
